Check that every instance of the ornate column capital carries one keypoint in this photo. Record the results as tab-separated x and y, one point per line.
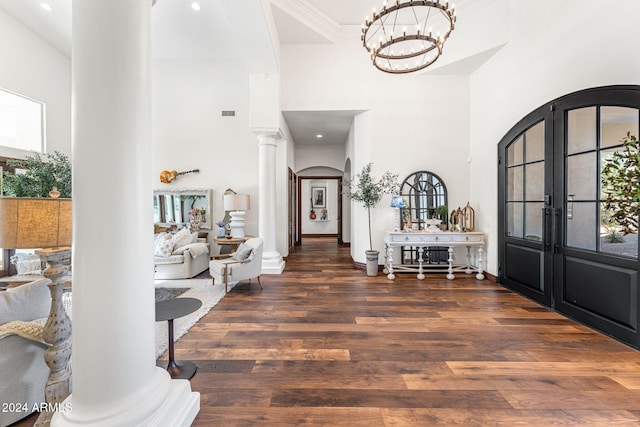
267	133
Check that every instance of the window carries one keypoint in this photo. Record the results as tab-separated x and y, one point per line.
21	122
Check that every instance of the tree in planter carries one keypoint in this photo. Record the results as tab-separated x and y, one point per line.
369	191
620	179
40	176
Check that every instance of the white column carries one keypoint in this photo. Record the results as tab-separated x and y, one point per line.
115	380
272	262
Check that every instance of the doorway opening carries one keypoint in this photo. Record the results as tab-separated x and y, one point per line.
556	215
319	208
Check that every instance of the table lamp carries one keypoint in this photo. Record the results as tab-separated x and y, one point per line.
27	223
398	203
236	204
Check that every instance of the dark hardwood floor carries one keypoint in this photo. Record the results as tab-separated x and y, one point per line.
325	345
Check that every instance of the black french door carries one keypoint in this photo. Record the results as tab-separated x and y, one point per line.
558	243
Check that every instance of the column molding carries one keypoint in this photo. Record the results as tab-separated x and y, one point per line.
272	262
114	374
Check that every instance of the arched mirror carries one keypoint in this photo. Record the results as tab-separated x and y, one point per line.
425	197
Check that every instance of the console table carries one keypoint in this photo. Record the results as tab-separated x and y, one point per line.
423	239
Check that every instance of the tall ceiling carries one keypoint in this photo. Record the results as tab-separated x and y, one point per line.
181	33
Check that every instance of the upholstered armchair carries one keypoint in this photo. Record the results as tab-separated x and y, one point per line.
243	264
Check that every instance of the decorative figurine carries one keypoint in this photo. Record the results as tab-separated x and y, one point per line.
468	218
455	222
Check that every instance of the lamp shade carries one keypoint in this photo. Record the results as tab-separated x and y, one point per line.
27	223
236	202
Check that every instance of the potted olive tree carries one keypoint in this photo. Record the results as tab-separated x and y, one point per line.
369	191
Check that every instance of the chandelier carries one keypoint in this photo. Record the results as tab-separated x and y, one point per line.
407	35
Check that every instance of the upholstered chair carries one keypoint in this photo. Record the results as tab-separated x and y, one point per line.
243	264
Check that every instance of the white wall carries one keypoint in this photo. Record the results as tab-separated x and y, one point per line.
189	131
33	68
311	155
555	48
411	122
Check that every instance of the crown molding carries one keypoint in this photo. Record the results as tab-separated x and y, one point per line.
308	15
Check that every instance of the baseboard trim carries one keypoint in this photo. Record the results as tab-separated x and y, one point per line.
490	277
363	266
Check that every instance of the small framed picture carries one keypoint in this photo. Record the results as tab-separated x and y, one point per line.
318	197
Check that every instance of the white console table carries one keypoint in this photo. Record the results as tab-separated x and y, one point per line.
429	238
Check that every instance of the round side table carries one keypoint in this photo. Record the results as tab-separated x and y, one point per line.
170	310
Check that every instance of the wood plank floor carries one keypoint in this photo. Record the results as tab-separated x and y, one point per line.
324	345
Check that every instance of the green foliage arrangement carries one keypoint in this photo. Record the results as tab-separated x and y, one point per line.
364	188
443	213
40	176
620	179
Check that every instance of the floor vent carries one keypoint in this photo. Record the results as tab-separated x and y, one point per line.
228	113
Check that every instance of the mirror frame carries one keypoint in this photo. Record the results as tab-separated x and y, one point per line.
204	192
423	188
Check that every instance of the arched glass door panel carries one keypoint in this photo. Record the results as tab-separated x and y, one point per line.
568	199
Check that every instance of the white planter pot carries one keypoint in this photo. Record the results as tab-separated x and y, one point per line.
372	262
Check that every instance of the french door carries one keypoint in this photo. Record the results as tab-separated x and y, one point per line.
558	243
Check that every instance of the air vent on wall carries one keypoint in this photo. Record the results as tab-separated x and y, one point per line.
228	113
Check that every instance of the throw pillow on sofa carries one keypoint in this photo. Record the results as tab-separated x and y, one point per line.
183	237
25	302
164	245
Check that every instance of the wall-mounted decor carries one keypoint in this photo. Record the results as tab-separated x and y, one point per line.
174	207
318	197
166	177
423	193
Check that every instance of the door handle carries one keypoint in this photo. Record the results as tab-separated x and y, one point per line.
554	230
546	229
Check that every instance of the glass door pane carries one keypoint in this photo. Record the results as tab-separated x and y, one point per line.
525	184
601	182
619	181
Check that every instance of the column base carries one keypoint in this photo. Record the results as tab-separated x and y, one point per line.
178	406
272	263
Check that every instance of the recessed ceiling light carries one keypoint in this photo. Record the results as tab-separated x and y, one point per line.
195	6
46	6
319	135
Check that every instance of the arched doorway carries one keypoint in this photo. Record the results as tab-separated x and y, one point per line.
320	204
553	221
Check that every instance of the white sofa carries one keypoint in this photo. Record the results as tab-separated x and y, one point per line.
180	256
23	372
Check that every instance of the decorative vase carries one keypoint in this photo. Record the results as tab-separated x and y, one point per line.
54	193
194	225
221	232
372	263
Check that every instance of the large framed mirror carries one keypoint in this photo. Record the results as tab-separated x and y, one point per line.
425	197
172	206
424	192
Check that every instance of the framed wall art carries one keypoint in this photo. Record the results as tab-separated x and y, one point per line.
318	197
